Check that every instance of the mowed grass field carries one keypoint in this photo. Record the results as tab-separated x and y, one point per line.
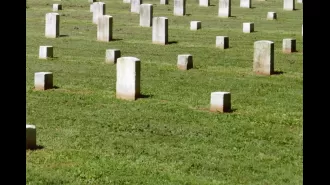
168	138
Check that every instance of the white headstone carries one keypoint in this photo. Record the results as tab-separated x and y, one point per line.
220	102
185	62
222	42
128	78
52	29
104	28
263	57
179	7
160	30
224	8
289	5
98	10
45	52
111	56
195	25
31	137
135	6
248	27
146	14
43	80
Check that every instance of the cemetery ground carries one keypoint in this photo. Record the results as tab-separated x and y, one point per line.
168	136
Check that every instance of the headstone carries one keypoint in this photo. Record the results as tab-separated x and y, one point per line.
222	42
104	28
111	56
179	7
135	6
248	27
245	4
52	29
204	3
128	78
160	30
146	13
195	25
126	1
98	11
45	52
163	2
43	80
220	102
31	137
57	7
289	5
263	57
289	45
224	8
185	62
271	16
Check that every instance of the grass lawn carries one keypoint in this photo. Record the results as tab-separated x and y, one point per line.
90	137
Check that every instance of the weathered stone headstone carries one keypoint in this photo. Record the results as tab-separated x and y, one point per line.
43	80
220	102
160	30
104	28
222	42
146	14
185	62
245	4
263	57
52	29
126	1
135	6
271	16
57	7
204	3
111	56
98	11
195	25
289	45
45	52
128	78
163	2
31	137
289	5
248	27
224	8
179	7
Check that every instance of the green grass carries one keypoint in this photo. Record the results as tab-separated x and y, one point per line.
90	137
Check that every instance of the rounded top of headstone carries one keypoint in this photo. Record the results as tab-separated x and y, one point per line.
44	73
53	13
289	39
161	17
264	41
107	16
219	92
30	126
